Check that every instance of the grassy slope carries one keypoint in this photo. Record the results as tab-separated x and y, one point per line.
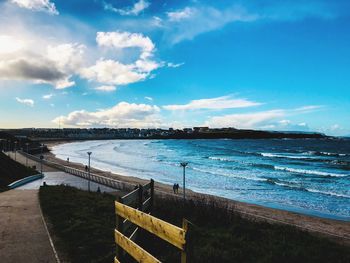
84	222
11	171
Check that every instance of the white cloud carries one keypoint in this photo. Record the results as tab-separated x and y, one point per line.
191	21
37	5
224	102
55	67
149	98
122	114
113	72
309	108
271	119
135	10
27	102
67	57
9	44
64	83
47	96
245	120
179	15
106	88
173	65
126	40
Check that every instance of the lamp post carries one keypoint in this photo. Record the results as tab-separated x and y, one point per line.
27	144
41	163
89	153
184	164
8	148
41	158
15	150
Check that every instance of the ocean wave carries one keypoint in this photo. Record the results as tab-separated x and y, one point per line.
327	193
272	155
301	188
332	154
311	172
223	159
229	175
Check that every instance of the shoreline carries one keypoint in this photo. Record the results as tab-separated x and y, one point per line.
336	229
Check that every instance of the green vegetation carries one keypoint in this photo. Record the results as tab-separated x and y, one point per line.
83	224
11	171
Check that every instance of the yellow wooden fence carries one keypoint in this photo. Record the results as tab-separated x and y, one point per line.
164	230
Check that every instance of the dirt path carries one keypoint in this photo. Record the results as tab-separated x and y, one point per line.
23	236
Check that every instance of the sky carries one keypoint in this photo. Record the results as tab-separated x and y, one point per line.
269	65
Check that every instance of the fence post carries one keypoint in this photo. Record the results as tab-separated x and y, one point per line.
119	224
152	196
183	252
140	201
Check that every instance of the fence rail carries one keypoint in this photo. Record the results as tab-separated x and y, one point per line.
133	215
100	179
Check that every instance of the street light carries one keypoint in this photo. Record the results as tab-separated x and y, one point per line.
41	158
41	163
27	144
184	164
89	153
15	150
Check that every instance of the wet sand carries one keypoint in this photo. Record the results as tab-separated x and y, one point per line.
336	230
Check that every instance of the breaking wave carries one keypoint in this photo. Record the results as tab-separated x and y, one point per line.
311	172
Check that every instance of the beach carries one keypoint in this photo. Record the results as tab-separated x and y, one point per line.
334	229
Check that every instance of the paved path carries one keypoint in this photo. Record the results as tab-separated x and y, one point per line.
23	236
23	160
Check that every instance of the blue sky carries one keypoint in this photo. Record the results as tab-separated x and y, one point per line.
274	65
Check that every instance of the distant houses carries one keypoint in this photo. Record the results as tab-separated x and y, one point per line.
152	133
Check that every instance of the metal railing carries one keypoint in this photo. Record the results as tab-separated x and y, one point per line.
100	179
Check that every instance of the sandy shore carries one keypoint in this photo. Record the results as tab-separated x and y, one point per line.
333	229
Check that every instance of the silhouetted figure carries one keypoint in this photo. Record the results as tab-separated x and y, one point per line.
86	168
67	160
98	190
174	188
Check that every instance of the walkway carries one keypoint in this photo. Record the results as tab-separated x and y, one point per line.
23	236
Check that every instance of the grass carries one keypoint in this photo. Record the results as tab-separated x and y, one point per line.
83	224
11	171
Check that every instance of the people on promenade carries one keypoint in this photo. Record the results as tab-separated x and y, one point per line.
176	188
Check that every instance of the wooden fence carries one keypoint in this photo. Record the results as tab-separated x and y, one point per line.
132	214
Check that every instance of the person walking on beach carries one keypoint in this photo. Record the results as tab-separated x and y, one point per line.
174	188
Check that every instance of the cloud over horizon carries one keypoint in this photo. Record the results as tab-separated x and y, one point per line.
122	115
224	102
270	119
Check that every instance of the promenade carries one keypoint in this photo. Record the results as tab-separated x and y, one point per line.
23	236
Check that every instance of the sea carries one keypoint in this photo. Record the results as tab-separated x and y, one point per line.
310	176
